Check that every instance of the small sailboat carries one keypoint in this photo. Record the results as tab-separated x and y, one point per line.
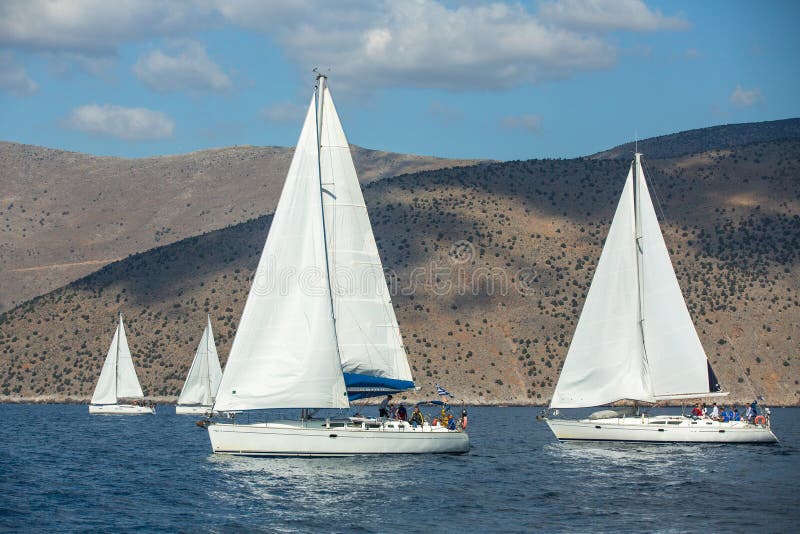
635	341
318	329
200	388
118	381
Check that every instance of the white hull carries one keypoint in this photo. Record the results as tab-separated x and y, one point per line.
316	438
661	429
120	409
192	410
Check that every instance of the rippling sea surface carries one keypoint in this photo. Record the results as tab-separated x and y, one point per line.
64	470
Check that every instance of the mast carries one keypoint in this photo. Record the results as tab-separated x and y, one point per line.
208	355
637	214
320	95
116	360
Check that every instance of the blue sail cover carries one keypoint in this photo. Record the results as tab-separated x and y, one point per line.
363	386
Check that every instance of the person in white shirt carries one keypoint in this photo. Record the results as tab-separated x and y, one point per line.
715	411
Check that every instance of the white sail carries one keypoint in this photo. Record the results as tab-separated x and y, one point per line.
205	373
678	364
285	354
635	339
606	360
366	326
118	377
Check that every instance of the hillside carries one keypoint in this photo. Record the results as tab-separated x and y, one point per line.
65	215
705	139
489	265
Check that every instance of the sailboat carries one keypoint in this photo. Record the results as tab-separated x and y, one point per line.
200	388
318	329
635	341
118	381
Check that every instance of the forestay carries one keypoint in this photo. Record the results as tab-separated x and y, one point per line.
205	373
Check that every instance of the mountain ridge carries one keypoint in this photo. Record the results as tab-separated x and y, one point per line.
489	266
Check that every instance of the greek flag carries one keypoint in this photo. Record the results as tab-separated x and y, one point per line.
442	392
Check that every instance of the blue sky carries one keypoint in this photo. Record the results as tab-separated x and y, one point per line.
502	80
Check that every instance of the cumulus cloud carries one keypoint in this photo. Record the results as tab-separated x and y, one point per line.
96	26
132	124
185	66
367	44
609	15
531	124
745	98
14	78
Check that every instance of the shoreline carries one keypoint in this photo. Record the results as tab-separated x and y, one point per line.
457	402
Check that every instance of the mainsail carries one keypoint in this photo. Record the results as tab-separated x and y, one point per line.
318	315
118	377
204	374
635	339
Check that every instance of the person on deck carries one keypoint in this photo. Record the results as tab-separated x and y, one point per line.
416	417
703	410
383	407
401	412
736	416
754	408
715	412
696	411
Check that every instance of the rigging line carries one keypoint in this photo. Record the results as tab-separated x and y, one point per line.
656	196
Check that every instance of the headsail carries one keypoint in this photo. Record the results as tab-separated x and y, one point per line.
118	378
284	354
635	339
204	374
605	361
370	345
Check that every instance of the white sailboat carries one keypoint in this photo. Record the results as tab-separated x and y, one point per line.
118	381
200	388
636	341
318	329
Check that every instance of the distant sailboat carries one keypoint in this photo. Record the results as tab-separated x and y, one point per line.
329	334
201	385
118	381
636	341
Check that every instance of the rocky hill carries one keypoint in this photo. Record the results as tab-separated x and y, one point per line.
489	265
65	215
705	139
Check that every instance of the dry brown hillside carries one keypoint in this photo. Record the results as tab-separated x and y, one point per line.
490	265
65	214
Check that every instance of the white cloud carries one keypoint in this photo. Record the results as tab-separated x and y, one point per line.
96	26
609	15
132	124
367	44
531	124
284	112
426	44
189	67
14	78
745	98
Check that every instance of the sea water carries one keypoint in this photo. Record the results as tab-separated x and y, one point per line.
63	470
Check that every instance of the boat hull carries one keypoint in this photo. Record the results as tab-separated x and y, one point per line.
192	410
120	409
314	438
660	430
